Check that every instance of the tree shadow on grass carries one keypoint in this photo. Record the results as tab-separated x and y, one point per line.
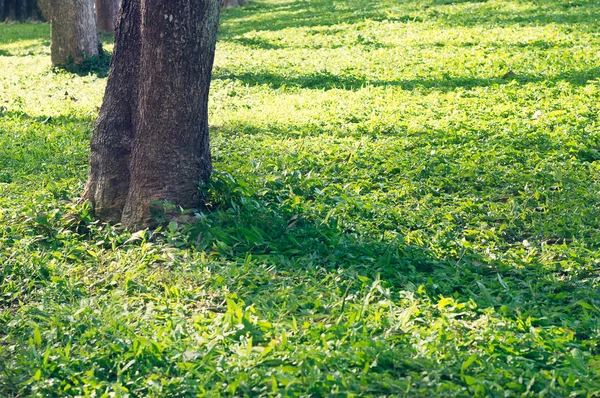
301	14
262	16
584	15
257	43
11	33
453	2
60	120
325	80
241	223
38	34
264	227
42	149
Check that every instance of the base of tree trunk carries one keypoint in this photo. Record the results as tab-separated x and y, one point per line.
150	142
73	30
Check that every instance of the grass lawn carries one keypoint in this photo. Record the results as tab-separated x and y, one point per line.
406	202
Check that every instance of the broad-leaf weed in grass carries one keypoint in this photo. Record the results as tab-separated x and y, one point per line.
406	203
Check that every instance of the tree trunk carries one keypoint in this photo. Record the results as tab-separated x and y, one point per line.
32	10
21	10
233	3
106	14
74	34
10	9
150	141
230	3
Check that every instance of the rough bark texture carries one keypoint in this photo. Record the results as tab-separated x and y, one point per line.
74	34
108	181
150	142
106	14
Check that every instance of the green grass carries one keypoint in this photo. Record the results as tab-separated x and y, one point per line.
406	203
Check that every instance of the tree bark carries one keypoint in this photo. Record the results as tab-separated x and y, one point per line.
108	180
74	34
233	3
18	10
32	10
21	10
230	3
106	14
150	141
10	9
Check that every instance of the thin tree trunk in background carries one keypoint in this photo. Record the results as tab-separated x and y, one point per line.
21	10
150	142
10	9
74	33
18	10
106	14
32	10
29	5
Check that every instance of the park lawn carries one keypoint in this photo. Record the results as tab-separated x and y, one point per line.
406	202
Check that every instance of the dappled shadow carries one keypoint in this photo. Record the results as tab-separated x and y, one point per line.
324	13
259	16
37	47
279	233
11	33
37	35
299	14
35	152
263	227
258	43
59	120
325	80
582	15
239	223
451	2
322	80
